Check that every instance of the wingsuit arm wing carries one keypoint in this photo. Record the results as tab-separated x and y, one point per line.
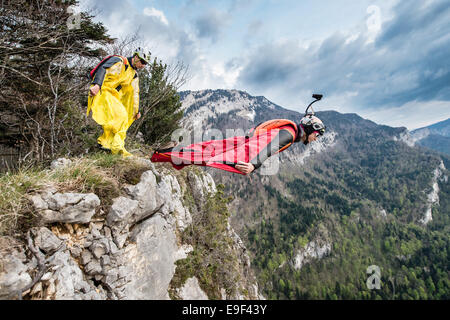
283	139
99	76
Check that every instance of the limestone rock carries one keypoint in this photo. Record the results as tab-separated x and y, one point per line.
130	255
93	267
313	250
170	191
69	281
38	202
201	185
13	273
183	252
75	251
46	240
121	212
144	188
59	201
60	163
70	207
98	249
148	195
86	257
191	290
119	238
150	262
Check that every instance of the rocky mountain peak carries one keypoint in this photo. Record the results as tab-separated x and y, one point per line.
202	105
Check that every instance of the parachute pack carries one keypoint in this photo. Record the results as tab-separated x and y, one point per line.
93	71
272	124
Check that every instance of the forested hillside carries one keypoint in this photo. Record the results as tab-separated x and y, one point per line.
362	198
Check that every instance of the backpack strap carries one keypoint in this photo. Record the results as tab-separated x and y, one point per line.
93	71
125	60
99	72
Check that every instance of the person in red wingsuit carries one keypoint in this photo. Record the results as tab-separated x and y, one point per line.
244	154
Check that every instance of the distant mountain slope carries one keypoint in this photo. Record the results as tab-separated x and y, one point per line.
360	196
227	109
436	142
441	128
435	137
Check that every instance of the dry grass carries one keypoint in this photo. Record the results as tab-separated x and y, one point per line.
100	173
14	206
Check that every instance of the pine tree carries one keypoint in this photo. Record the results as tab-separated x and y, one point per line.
43	65
160	105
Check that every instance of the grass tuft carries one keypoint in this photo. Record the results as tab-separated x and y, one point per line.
100	173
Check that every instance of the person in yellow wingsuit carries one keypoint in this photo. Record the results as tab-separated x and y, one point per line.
114	98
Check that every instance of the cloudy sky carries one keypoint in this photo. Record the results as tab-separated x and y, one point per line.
386	60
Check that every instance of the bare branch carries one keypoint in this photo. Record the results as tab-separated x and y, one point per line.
23	75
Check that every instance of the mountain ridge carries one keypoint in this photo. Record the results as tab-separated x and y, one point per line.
214	96
333	204
441	127
435	137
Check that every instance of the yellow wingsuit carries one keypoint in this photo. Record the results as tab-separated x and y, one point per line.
116	104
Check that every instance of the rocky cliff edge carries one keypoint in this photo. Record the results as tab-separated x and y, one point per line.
129	249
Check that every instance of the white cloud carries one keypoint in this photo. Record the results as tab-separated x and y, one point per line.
152	12
227	75
412	115
209	75
371	68
352	38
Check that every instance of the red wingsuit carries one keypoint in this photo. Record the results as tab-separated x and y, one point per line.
266	139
